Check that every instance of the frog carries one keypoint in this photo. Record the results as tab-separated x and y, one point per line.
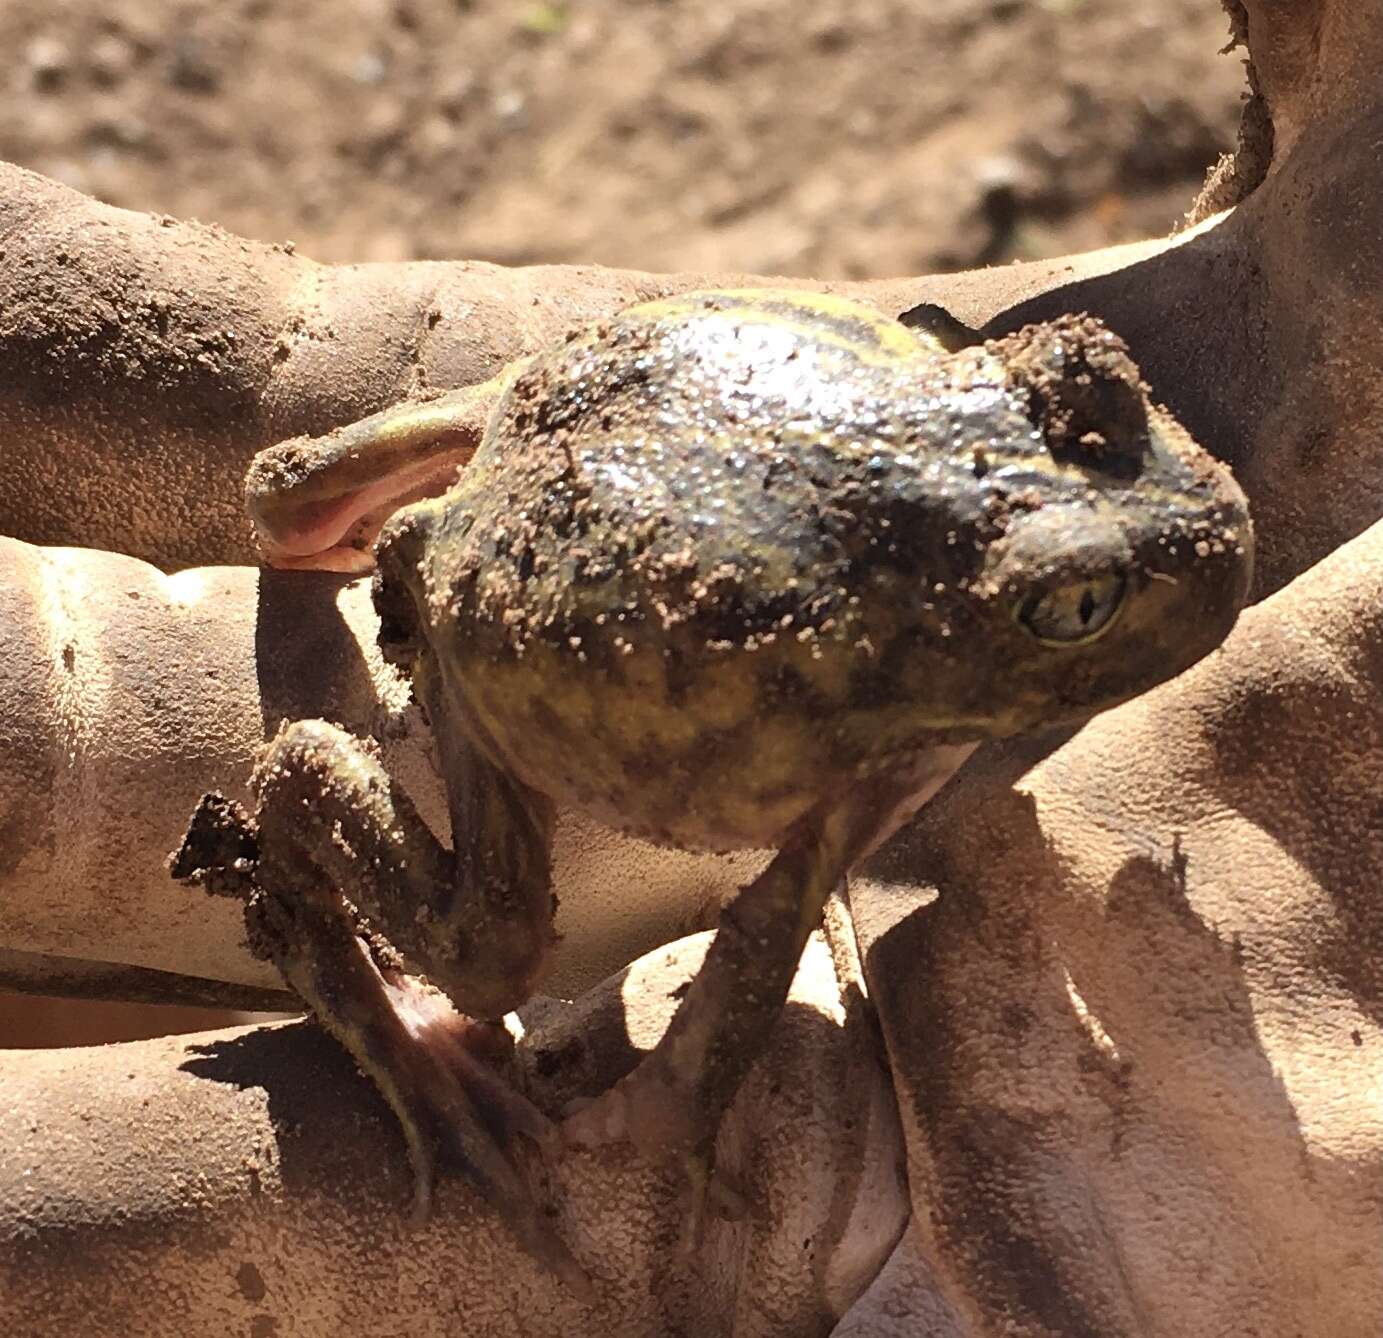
731	569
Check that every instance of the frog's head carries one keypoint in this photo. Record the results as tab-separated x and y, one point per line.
1120	553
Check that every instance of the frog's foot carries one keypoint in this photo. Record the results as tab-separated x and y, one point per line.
451	1100
340	878
447	1081
672	1104
316	505
435	1067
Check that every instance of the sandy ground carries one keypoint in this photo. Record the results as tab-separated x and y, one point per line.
836	138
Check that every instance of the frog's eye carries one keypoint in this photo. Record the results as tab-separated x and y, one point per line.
1073	614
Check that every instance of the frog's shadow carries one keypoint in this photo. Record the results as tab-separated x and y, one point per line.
308	662
328	1118
996	1149
335	1136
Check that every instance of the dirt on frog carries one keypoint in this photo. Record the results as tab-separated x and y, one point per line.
845	138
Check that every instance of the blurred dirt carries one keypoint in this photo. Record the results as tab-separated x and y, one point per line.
841	138
837	138
31	1021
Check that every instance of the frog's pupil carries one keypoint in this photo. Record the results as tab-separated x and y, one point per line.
1087	606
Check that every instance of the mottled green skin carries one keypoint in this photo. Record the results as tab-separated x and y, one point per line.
723	555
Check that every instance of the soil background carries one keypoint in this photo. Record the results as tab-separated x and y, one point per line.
827	137
852	138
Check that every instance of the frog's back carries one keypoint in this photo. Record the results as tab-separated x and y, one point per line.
706	457
725	331
670	386
704	364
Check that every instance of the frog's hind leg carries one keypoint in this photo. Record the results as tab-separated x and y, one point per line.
429	1063
345	886
672	1103
319	502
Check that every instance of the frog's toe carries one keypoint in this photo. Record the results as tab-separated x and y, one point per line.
487	1164
437	1070
709	1191
470	1051
649	1107
454	1106
595	1121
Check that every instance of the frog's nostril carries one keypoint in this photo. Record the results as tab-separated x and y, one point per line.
1084	394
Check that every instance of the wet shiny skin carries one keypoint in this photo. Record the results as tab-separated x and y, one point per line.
723	554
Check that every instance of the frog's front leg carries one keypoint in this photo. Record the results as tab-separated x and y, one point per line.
348	889
673	1102
319	502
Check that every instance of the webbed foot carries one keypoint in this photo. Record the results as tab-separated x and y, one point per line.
317	503
437	1068
441	1073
